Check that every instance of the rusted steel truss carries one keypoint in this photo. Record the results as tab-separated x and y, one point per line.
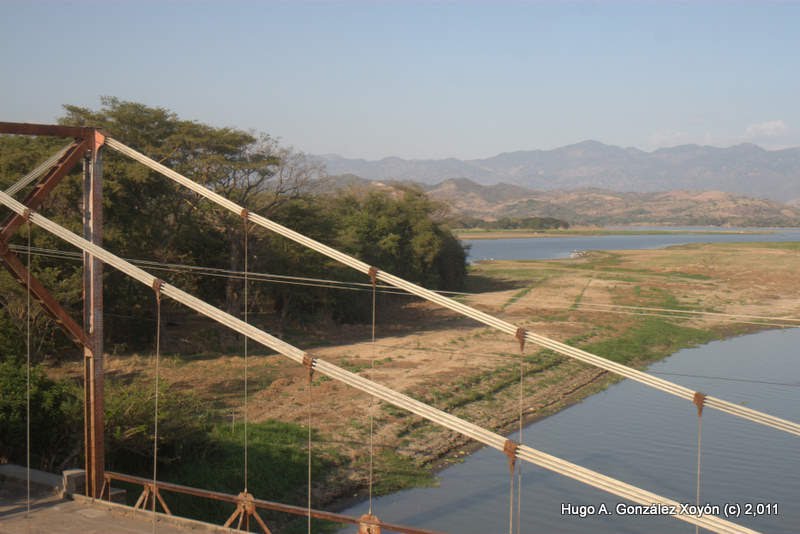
12	262
86	149
245	503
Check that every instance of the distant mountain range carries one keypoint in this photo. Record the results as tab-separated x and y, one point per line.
744	169
602	207
590	206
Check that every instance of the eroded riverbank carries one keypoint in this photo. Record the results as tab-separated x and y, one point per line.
621	305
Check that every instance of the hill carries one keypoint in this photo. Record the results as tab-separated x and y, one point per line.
744	169
594	206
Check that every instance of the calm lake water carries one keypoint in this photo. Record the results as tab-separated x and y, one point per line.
643	437
636	434
543	248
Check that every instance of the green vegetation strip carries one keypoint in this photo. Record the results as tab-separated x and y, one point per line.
510	233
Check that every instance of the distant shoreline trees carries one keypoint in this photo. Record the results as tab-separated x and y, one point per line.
148	217
513	223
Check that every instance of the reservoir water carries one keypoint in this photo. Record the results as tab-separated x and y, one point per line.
542	248
643	437
636	434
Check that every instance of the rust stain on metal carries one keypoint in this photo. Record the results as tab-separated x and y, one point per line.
369	524
52	130
309	363
17	269
262	504
157	285
520	335
510	449
98	138
699	400
45	186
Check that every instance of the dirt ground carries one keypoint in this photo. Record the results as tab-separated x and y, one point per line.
473	371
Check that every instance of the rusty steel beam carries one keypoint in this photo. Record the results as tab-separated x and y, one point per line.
260	503
94	377
53	130
89	141
45	187
14	265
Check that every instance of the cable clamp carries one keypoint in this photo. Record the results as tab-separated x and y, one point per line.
244	213
157	285
510	449
520	335
309	363
246	502
369	524
373	275
98	138
699	401
26	215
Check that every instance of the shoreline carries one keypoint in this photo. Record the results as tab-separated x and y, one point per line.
473	235
598	383
472	371
697	274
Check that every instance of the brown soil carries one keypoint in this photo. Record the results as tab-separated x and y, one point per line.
471	370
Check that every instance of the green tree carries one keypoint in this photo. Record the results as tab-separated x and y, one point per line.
159	220
400	232
149	217
56	417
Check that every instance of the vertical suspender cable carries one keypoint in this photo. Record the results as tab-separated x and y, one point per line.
699	449
309	402
157	289
246	304
511	498
699	399
372	402
28	386
521	421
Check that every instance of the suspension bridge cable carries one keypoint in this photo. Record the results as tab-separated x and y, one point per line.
482	435
357	286
611	274
38	172
485	318
696	312
734	379
339	284
343	285
676	316
232	274
36	251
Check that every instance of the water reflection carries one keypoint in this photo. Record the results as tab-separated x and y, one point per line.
643	437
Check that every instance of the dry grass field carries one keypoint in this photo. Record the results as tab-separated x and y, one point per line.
620	305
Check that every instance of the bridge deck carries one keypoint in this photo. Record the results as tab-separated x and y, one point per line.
68	517
50	514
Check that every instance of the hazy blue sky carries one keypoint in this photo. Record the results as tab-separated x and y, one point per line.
418	79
